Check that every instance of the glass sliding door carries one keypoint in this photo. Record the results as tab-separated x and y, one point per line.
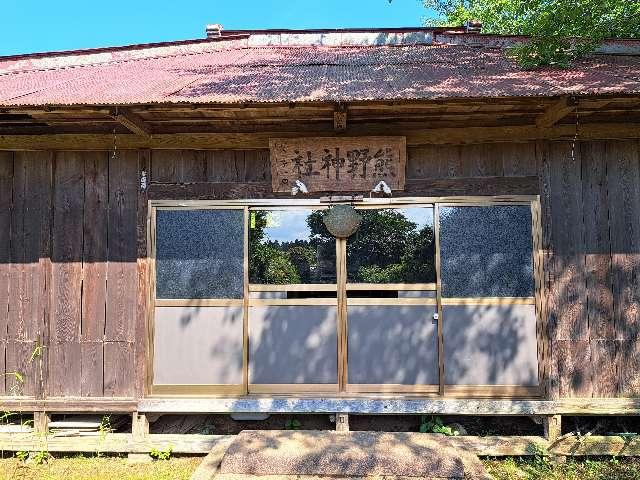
488	301
293	306
198	327
391	321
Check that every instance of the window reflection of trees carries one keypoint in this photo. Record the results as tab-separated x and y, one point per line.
388	248
302	260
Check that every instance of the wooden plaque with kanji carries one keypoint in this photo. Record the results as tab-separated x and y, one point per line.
338	164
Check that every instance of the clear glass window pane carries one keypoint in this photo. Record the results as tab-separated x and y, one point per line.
393	245
486	251
199	254
290	247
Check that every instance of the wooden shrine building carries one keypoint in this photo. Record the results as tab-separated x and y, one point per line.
166	247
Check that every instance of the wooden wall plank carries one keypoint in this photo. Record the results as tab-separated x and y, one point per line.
548	370
6	190
3	380
518	159
226	166
119	377
574	368
599	293
18	360
570	323
29	290
605	363
67	233
65	374
623	180
94	271
166	166
94	248
91	366
629	371
423	162
481	160
30	245
142	344
258	166
122	277
66	274
194	166
597	240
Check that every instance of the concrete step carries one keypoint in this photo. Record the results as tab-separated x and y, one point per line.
277	453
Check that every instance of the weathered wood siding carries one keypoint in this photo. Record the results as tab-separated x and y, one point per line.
73	248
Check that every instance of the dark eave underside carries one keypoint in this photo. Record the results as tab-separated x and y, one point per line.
318	118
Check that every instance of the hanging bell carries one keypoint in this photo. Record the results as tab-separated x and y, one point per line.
342	221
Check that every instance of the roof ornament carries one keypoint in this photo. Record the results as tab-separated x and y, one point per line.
214	30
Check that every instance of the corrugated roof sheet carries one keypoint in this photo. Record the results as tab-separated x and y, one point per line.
233	71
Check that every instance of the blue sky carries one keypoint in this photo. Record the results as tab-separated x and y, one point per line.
39	25
290	225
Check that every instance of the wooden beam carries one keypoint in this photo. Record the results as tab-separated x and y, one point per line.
132	121
259	140
111	443
556	112
69	404
626	445
396	406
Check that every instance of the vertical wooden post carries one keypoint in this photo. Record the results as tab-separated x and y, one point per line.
342	422
552	430
41	423
341	279
139	426
139	431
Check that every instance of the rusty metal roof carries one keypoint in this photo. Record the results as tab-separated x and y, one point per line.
238	69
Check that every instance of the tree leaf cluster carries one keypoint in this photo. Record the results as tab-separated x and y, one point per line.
560	31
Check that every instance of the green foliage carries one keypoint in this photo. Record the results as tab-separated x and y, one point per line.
37	352
17	375
560	30
377	274
435	425
6	415
388	249
536	468
161	454
293	424
40	457
22	455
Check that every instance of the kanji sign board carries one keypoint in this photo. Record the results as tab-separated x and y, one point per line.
338	164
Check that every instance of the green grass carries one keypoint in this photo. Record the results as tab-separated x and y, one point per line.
94	468
539	469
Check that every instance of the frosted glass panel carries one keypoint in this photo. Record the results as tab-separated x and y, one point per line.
293	344
198	345
393	344
486	251
199	253
490	345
